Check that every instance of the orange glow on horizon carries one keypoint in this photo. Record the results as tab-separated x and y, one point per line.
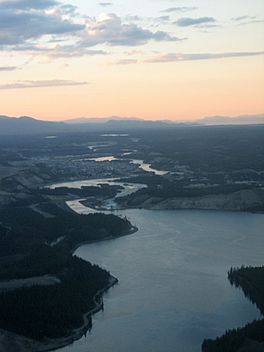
173	91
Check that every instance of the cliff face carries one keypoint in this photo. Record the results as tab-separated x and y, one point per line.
252	200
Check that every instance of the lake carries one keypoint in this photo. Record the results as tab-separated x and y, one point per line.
173	289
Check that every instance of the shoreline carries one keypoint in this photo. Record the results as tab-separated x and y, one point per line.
157	208
24	344
12	342
131	231
78	333
241	201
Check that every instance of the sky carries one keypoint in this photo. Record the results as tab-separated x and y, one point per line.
154	59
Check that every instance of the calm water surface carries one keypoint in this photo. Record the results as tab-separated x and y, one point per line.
173	290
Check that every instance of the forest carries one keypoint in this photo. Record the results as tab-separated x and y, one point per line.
27	251
51	311
251	281
24	228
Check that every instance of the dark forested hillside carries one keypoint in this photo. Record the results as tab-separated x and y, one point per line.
30	249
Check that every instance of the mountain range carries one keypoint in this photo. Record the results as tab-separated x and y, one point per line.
25	125
237	120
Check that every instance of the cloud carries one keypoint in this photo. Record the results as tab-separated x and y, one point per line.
162	19
109	29
251	22
8	68
151	21
242	18
105	4
35	27
188	21
179	9
178	57
27	4
58	51
68	9
126	62
66	51
20	23
40	84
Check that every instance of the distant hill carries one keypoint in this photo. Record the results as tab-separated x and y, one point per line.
135	124
237	120
118	122
101	119
28	125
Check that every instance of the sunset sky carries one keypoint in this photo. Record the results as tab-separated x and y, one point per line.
155	59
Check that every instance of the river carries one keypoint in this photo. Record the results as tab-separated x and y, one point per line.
173	290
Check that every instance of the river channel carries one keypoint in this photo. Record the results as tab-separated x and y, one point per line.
173	290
